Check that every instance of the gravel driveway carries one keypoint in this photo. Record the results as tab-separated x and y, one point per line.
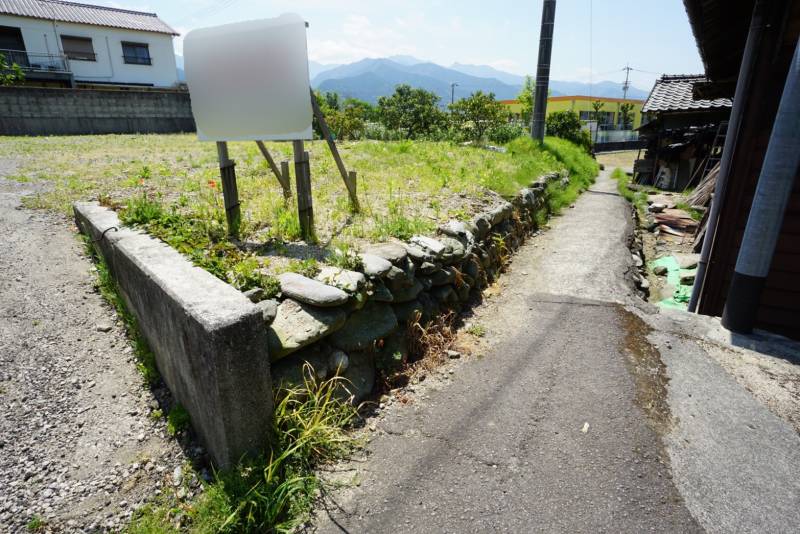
79	449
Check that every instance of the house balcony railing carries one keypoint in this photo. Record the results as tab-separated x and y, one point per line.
31	61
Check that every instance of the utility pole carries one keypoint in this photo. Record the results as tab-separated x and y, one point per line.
453	92
543	69
627	84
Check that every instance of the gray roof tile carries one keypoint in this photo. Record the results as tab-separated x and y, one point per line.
675	93
86	14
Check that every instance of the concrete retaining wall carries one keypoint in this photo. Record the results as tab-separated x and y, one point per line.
209	340
54	111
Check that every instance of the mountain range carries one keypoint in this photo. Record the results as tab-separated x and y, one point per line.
371	78
368	79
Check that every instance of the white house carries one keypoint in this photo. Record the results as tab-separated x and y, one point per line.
59	43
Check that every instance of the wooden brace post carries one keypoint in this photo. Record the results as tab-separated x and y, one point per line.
305	205
230	194
348	178
285	186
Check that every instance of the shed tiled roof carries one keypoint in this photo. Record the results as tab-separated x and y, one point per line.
674	93
86	14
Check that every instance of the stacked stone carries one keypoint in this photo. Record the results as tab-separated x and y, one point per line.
350	323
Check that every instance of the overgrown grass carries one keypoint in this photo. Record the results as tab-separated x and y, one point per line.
274	493
637	198
201	236
169	186
694	213
411	183
582	173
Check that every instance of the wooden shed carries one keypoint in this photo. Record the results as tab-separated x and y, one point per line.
760	69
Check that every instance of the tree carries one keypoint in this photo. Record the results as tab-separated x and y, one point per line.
525	98
10	73
597	106
567	125
332	100
410	110
349	123
626	115
477	113
366	111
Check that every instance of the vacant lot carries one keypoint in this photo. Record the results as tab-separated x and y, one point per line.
169	184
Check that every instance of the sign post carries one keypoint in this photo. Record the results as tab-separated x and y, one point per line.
230	194
249	81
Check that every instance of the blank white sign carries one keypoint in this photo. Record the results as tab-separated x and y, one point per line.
249	80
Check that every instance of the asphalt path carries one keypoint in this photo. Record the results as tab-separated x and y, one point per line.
546	432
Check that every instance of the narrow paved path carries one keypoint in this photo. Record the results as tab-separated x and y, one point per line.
544	432
78	448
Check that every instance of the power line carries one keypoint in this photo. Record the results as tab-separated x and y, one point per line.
212	10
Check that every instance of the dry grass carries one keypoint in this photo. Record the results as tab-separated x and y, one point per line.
428	344
623	159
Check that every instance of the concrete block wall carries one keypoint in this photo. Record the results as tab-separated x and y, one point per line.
56	111
208	339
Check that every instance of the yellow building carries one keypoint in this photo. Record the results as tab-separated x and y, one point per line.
609	115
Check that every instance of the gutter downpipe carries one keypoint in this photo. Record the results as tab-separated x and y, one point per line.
752	47
764	223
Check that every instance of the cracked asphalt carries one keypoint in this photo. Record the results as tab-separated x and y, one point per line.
542	433
584	410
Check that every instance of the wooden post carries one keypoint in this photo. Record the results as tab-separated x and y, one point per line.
305	205
287	189
230	194
287	177
326	133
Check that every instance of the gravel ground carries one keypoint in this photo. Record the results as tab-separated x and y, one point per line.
79	449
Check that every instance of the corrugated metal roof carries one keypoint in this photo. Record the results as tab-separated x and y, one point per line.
675	93
86	14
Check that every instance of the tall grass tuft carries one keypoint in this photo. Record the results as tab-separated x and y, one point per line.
637	198
273	493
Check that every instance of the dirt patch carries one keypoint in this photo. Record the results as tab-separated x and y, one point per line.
648	371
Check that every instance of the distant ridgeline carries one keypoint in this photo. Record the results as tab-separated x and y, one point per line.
369	79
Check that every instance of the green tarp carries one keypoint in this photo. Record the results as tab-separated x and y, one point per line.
680	297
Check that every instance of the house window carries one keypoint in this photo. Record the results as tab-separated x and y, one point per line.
136	53
79	48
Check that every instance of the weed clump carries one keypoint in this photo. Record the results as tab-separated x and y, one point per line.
637	198
200	236
177	420
273	493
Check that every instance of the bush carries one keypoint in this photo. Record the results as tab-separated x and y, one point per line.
567	125
505	133
378	132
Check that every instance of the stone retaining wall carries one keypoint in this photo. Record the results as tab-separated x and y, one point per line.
354	321
220	353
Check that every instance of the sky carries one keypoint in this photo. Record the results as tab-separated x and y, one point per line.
594	39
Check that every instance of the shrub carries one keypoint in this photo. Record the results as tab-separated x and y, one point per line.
567	125
505	133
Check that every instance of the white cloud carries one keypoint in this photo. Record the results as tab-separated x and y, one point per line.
360	38
507	65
